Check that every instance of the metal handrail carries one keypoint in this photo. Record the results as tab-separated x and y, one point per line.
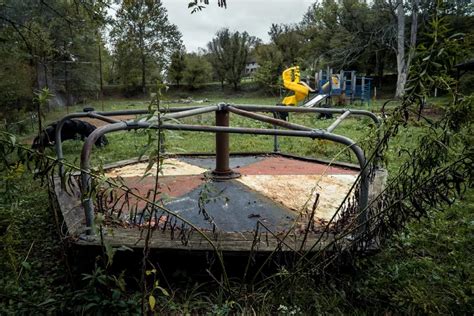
266	108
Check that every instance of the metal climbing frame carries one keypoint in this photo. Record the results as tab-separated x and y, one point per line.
222	130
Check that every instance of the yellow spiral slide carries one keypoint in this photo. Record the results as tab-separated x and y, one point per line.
291	81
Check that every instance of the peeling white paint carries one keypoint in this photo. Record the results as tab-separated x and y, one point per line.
170	167
297	192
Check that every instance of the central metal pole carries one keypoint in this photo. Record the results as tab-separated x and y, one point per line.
222	144
223	171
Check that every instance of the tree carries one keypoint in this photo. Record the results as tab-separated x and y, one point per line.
346	34
143	33
197	71
289	41
16	79
219	72
229	52
177	67
403	60
270	59
196	6
56	42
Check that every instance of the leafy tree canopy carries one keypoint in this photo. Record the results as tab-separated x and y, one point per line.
230	51
142	33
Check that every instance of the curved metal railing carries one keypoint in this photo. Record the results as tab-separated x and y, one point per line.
222	130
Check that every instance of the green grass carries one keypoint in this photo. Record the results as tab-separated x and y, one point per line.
427	269
29	278
124	145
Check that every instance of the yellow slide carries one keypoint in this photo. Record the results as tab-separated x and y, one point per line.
291	81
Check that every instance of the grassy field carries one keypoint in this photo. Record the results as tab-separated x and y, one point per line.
426	269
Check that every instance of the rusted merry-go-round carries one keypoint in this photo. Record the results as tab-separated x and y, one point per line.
230	202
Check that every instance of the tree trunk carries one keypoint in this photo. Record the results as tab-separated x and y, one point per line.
143	60
101	80
403	63
380	65
143	73
66	85
401	66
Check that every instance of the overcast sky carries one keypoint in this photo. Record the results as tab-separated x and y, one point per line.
253	16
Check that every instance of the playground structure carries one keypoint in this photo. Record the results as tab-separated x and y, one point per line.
260	193
345	85
291	81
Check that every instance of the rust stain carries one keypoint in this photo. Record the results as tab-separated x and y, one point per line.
170	167
297	192
288	166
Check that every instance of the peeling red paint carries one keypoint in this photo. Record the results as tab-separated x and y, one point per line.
171	186
168	186
288	166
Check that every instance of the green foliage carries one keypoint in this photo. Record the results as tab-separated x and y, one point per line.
104	292
144	39
128	73
361	35
15	80
345	34
55	47
289	41
434	62
177	67
34	272
196	6
198	70
229	52
355	291
29	251
268	75
426	270
437	170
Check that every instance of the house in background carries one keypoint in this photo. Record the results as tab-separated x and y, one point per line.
251	67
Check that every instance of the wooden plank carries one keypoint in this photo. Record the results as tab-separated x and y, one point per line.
245	242
71	207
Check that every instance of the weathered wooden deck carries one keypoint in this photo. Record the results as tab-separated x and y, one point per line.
260	211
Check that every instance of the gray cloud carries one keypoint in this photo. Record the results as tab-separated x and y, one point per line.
253	16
